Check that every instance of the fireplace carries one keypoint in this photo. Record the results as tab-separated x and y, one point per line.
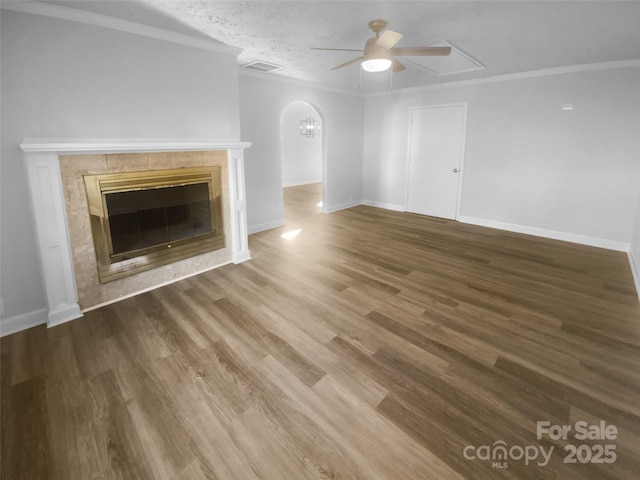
143	220
176	170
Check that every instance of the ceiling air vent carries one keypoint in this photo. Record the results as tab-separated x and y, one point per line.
260	66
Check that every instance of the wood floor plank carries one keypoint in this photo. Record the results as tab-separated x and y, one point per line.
29	428
373	345
210	403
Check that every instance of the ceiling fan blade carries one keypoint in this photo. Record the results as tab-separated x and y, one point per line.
347	63
337	49
397	66
388	39
421	51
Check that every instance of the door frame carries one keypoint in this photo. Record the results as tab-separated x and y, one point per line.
465	106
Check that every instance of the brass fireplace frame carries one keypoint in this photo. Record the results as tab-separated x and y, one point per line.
114	266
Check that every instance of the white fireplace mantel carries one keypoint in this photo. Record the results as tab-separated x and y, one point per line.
48	205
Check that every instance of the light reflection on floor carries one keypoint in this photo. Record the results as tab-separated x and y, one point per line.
291	234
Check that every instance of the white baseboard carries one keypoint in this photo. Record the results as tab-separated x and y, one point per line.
298	184
342	206
23	321
241	257
541	232
261	227
64	315
635	272
52	319
386	206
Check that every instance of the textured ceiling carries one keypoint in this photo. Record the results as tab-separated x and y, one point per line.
504	36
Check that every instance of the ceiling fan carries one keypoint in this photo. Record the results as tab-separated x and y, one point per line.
379	52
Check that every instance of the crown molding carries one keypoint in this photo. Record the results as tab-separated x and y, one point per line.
547	72
97	19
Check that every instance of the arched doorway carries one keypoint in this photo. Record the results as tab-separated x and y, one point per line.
302	161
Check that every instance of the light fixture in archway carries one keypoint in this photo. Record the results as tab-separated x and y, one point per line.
309	127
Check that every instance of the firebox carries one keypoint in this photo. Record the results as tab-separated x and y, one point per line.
142	220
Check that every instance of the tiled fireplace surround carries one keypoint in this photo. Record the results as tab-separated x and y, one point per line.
55	169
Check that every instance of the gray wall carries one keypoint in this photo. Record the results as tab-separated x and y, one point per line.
70	80
262	102
528	162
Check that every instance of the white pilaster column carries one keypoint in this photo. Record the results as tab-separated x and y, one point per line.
48	204
239	232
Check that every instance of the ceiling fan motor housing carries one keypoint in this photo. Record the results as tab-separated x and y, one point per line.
375	57
373	50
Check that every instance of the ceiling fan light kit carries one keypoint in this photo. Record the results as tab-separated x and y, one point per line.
376	65
376	61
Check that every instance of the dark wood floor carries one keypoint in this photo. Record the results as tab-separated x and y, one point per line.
371	345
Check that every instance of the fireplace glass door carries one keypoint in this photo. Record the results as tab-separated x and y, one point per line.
142	220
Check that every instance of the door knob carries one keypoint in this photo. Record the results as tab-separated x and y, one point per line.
455	170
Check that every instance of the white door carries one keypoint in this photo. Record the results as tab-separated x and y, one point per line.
435	159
